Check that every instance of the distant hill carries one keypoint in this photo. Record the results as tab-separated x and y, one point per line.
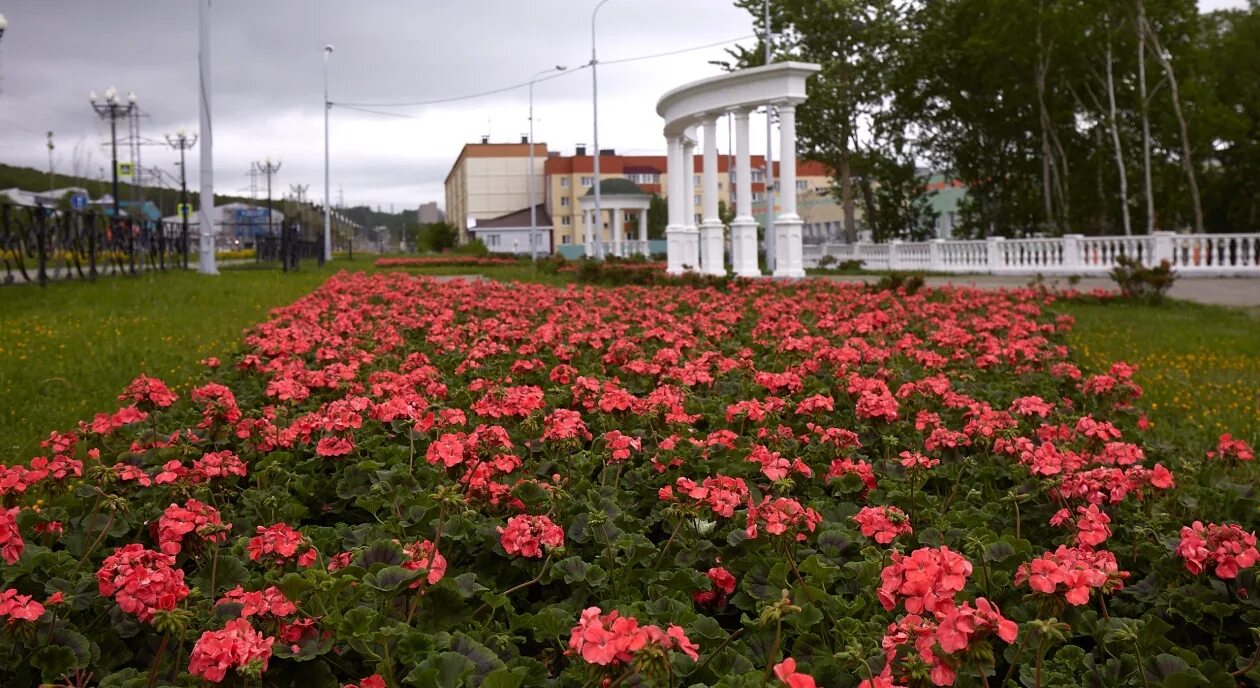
31	179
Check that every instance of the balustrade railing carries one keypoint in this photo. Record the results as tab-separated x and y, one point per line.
47	244
1071	254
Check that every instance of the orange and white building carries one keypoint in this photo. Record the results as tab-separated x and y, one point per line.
490	181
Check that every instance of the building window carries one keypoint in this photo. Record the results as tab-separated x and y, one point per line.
564	182
758	175
697	218
566	239
566	220
492	240
695	179
758	196
564	201
586	181
696	199
802	185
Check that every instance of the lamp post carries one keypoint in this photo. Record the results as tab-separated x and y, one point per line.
533	205
113	109
599	216
4	24
182	142
328	49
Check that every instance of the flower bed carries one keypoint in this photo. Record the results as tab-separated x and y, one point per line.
444	261
408	482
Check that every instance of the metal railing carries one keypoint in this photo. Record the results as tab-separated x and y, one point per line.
1071	254
41	245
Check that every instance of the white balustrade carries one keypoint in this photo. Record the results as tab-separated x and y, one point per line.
1073	254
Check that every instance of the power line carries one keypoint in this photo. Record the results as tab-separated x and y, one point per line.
523	84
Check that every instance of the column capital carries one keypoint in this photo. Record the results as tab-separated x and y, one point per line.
741	113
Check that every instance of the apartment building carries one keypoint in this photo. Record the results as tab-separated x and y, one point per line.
490	180
570	177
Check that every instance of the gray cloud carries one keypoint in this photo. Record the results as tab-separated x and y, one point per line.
267	80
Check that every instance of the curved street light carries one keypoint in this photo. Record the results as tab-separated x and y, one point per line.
113	110
328	49
4	24
533	205
599	216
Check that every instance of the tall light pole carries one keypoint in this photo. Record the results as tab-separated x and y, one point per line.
183	142
4	24
328	49
113	109
771	256
205	213
599	215
533	205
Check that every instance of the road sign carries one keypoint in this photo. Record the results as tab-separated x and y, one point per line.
184	209
125	170
78	202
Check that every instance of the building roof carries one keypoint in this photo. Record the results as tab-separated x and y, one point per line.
514	220
617	186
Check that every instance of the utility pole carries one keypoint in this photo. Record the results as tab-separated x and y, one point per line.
182	142
51	183
268	168
328	49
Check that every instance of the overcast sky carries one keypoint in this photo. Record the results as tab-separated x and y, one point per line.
267	71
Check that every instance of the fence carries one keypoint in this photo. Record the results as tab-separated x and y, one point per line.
1072	254
288	248
45	244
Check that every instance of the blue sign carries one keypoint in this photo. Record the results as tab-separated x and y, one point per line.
251	222
78	202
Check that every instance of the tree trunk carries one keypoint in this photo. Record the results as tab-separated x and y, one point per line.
1115	140
846	196
868	200
1144	107
1187	159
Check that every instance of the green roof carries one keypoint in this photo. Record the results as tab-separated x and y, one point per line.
617	186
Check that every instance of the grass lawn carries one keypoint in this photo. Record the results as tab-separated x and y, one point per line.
1199	365
70	348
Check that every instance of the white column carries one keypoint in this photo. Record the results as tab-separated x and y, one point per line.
743	227
675	231
689	199
787	226
587	249
643	238
712	258
618	227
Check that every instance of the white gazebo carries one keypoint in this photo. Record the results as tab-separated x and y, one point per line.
617	196
700	104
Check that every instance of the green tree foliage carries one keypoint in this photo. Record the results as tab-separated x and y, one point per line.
658	217
434	237
1037	105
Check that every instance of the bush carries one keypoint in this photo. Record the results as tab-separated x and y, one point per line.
474	247
908	283
1142	283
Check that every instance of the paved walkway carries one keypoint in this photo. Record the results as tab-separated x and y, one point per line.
1221	291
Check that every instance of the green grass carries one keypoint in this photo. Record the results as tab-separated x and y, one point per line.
69	348
1198	365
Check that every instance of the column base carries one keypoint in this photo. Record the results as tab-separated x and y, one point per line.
712	248
789	253
676	257
744	247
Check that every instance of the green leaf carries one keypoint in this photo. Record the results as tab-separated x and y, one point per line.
53	661
391	579
504	678
445	670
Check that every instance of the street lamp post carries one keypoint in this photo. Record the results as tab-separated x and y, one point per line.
328	49
533	205
182	142
4	24
599	216
113	109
